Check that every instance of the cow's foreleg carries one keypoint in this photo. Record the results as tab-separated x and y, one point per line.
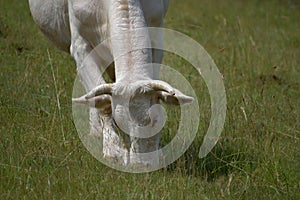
89	65
101	125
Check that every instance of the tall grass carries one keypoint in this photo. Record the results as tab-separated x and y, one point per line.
255	44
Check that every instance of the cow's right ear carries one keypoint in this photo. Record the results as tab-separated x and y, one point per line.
99	97
101	102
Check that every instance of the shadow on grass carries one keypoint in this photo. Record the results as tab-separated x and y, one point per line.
223	160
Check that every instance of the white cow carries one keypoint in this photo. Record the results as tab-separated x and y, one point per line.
78	26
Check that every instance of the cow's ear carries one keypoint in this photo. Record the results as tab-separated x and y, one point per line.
99	97
102	102
174	99
168	94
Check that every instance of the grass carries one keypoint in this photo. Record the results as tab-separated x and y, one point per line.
256	46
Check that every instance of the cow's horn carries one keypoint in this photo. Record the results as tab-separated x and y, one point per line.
162	86
99	90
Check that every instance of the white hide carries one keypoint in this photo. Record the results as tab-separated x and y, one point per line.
78	26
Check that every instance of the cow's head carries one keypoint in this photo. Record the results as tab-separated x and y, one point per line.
135	107
132	118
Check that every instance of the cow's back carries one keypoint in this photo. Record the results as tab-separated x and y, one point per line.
52	18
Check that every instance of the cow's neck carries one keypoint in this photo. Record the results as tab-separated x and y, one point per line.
129	37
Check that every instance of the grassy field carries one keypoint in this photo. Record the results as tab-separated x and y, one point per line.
256	46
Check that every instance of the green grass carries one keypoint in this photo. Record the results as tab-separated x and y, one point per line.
256	46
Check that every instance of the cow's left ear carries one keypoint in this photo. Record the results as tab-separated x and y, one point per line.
168	94
178	98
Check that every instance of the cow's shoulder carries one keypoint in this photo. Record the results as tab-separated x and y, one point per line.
154	11
89	12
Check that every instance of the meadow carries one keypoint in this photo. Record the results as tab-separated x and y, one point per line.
256	46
